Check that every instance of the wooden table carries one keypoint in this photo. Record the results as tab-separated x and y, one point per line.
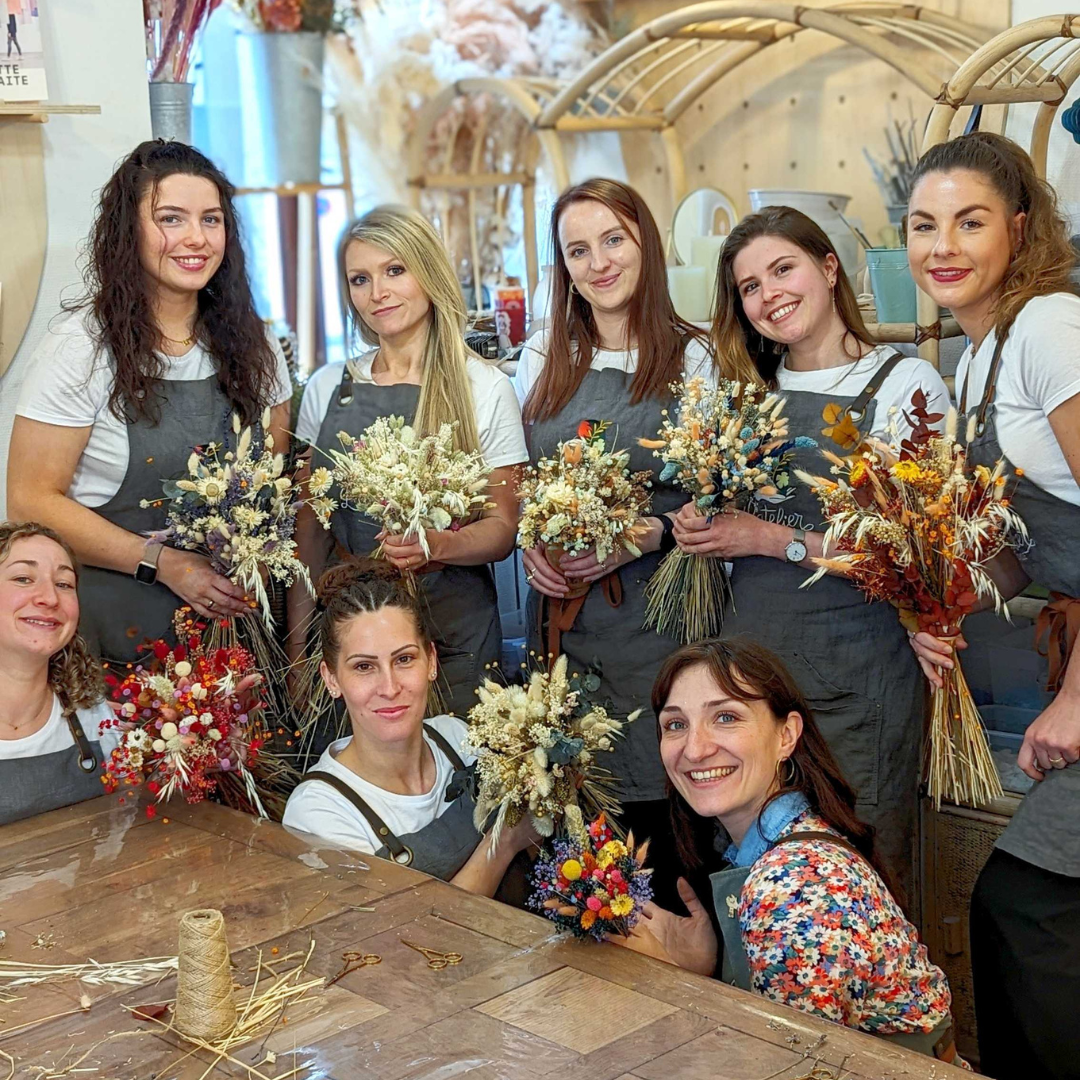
101	880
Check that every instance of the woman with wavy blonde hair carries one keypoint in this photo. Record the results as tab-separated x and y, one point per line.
51	708
986	240
404	300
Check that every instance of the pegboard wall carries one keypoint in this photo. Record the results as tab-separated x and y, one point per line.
796	116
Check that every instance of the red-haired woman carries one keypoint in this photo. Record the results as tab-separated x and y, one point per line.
985	238
612	350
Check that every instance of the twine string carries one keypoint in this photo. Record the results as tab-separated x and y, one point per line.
205	1008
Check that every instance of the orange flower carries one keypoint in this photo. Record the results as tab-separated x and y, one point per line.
587	919
606	912
584	429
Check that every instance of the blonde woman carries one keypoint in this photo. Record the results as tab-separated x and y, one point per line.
51	707
405	301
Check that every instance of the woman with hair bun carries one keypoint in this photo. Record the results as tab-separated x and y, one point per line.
399	786
986	239
406	303
51	707
164	345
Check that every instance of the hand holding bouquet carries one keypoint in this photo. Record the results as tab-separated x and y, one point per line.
407	482
582	499
729	446
918	531
593	884
238	507
191	723
536	748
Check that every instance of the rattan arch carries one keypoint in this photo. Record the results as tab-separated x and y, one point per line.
647	80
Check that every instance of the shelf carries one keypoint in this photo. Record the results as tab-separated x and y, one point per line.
38	112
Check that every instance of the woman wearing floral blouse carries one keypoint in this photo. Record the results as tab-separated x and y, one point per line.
806	915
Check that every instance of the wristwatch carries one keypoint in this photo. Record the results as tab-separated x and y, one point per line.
795	552
146	571
667	536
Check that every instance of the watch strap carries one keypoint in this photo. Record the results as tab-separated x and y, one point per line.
667	537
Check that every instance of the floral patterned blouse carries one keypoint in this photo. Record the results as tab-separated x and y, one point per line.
823	934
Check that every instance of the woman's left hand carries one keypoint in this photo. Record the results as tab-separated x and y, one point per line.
731	534
586	567
405	553
1052	740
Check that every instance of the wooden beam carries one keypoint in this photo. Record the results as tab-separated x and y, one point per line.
611	123
42	108
465	181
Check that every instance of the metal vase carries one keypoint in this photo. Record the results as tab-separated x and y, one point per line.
285	110
170	110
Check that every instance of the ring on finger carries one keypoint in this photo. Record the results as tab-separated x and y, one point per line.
1056	761
210	604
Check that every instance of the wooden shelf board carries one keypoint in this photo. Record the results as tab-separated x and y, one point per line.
38	112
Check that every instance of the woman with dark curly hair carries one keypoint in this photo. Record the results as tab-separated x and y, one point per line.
51	704
150	362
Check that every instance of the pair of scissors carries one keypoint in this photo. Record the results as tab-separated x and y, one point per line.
435	960
353	962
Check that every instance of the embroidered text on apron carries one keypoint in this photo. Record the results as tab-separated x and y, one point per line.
463	608
1043	831
727	888
614	638
35	785
851	659
119	613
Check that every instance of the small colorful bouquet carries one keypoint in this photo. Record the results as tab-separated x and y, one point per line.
592	885
405	481
238	507
191	719
585	497
536	749
730	445
918	530
293	16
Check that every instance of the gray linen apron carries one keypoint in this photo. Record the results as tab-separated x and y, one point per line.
727	888
1045	830
443	846
613	639
35	785
850	658
118	613
462	605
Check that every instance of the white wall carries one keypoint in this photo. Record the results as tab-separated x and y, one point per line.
94	55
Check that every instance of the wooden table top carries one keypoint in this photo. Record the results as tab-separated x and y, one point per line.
101	881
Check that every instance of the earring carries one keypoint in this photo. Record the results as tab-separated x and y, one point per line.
570	301
788	779
833	290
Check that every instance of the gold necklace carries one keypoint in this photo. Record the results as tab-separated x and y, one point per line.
186	343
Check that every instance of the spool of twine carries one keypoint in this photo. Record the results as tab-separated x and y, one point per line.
204	995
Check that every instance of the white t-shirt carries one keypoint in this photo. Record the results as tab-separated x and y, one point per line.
498	418
318	809
697	360
56	735
1039	370
68	385
849	380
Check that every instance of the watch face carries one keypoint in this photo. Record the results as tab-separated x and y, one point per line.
796	551
146	573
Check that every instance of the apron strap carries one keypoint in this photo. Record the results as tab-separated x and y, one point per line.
990	389
443	744
398	851
345	389
87	758
562	613
857	409
1059	624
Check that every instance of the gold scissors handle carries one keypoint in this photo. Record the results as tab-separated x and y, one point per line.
353	961
435	960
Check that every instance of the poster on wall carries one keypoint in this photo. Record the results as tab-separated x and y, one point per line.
22	62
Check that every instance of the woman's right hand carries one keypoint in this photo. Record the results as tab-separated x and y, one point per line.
934	654
541	575
689	941
191	578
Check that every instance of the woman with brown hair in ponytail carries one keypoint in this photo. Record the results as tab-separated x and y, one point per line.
51	708
806	912
986	239
613	348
